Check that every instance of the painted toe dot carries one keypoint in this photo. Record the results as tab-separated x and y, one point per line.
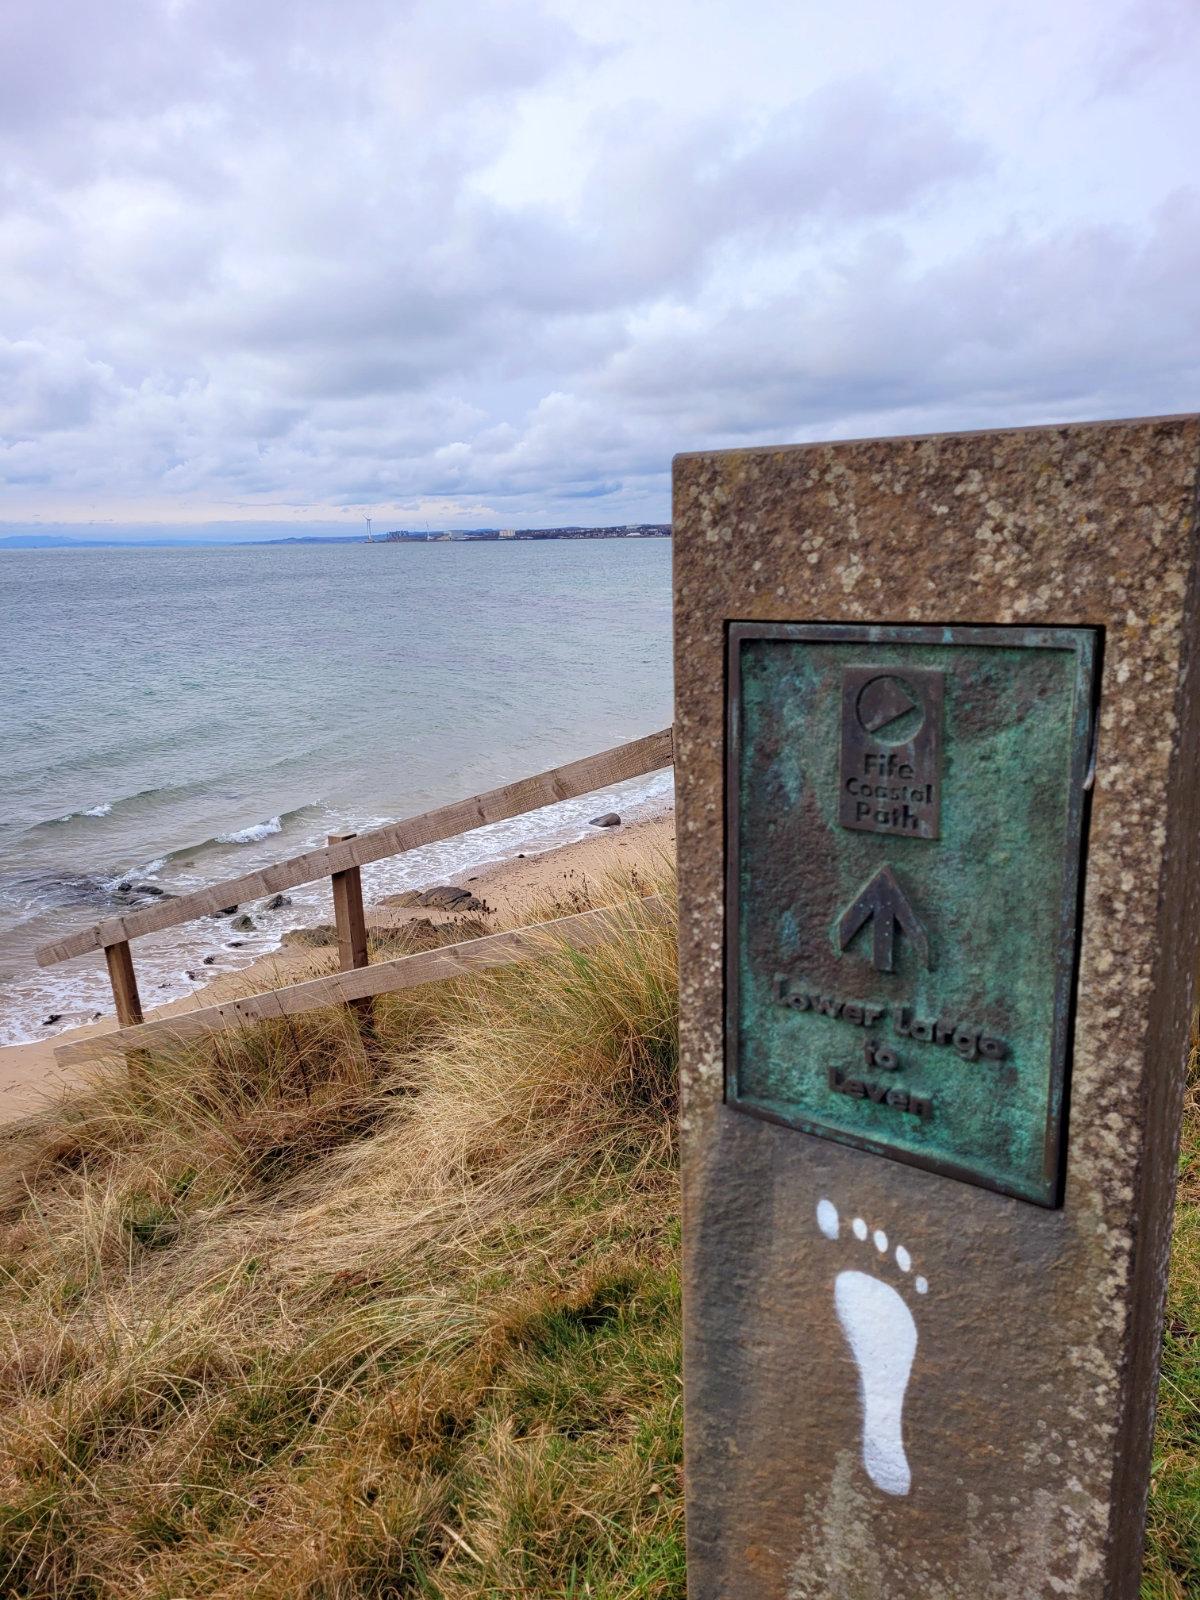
827	1218
921	1286
881	1241
860	1228
903	1259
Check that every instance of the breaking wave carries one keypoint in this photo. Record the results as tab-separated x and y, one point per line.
101	810
252	835
255	833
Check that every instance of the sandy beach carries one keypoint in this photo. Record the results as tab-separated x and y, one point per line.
553	882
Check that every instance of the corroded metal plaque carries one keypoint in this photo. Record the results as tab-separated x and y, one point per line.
907	808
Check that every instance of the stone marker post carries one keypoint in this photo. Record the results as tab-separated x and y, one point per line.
938	732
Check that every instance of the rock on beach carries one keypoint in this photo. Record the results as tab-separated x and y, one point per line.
443	897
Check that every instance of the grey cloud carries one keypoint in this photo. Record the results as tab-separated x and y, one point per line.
458	282
1091	319
48	386
250	253
855	149
1149	35
225	61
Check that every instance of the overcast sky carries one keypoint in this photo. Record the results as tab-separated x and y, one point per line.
480	264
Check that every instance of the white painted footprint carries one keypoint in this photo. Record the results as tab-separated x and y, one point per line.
882	1336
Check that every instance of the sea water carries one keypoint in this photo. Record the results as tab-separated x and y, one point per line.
172	717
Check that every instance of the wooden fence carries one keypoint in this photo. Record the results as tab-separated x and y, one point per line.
341	860
357	987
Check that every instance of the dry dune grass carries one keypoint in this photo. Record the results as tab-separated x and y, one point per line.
290	1317
1173	1559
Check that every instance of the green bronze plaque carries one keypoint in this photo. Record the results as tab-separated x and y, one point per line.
907	808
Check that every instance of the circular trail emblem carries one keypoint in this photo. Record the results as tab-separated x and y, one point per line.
890	709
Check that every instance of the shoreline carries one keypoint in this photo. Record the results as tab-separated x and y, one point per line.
511	888
174	964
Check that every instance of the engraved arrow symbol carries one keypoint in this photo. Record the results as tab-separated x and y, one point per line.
885	900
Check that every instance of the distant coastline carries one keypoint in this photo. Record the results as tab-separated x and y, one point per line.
638	530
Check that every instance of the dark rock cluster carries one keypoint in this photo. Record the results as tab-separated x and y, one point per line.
444	897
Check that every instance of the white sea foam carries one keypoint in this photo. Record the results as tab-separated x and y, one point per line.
252	835
101	810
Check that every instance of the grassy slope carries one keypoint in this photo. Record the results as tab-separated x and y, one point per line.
287	1318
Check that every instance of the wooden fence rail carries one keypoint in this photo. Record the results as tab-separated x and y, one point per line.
341	860
362	983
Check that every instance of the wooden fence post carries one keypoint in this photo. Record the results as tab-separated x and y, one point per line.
351	922
124	983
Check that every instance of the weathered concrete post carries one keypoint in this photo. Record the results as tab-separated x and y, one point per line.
937	758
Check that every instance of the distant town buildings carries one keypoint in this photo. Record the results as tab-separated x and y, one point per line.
640	530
